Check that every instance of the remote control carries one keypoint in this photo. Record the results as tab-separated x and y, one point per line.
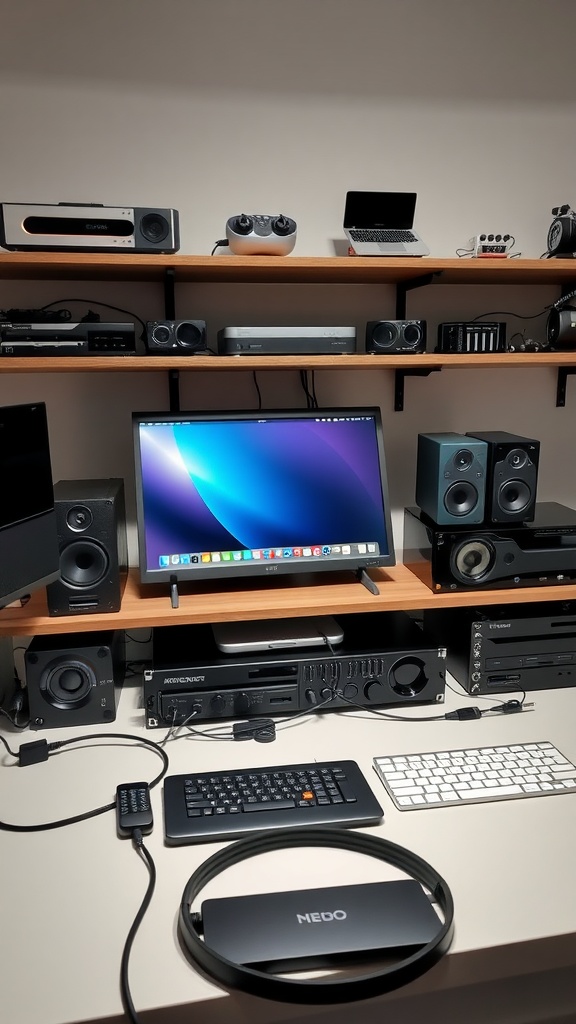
133	808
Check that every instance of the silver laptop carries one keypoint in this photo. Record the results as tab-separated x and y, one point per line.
380	224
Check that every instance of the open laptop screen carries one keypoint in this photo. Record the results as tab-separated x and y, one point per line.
379	209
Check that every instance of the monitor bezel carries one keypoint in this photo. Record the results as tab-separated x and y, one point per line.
230	571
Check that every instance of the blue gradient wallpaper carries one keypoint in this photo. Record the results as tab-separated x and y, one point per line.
258	485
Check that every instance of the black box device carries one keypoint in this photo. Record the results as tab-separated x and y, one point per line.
311	928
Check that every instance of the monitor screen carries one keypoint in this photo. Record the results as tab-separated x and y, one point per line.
230	494
29	546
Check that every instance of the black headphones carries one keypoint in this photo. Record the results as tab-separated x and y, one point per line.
247	979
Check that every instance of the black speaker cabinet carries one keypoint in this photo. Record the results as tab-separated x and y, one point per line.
511	476
74	678
385	337
516	555
91	522
175	337
451	478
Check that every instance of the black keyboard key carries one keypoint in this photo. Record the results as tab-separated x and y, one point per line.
201	807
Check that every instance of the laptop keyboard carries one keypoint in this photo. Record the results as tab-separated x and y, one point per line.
388	235
475	775
214	806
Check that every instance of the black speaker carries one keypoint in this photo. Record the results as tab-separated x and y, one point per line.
386	337
28	536
511	476
74	678
451	478
91	520
175	337
516	555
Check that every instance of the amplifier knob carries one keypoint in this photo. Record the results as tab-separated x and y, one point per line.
326	692
241	703
373	689
217	703
310	695
350	690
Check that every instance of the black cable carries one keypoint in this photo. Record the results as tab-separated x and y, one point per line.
124	980
106	305
257	386
33	753
220	244
2	740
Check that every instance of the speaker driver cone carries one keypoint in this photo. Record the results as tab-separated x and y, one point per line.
154	227
473	560
188	335
83	564
514	496
461	498
66	684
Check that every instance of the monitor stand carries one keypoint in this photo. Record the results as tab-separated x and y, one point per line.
363	578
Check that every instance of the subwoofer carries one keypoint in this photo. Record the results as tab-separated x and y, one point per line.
74	678
511	476
175	337
91	523
385	337
451	478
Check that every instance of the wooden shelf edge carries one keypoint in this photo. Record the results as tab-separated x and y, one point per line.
145	607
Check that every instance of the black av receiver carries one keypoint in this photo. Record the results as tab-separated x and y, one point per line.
68	339
384	659
539	553
87	227
500	648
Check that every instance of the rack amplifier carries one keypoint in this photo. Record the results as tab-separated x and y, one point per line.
385	659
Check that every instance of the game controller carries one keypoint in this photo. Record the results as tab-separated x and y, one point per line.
259	234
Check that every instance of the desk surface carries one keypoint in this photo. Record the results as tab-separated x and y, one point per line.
68	896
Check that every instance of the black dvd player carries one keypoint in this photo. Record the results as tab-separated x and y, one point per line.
499	648
69	339
384	659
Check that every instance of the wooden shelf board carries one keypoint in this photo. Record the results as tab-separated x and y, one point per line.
144	606
280	269
360	361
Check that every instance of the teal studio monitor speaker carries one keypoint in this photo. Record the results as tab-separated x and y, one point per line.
451	478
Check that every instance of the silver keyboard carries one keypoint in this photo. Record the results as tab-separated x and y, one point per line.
475	775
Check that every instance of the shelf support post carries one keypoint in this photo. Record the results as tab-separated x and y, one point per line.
403	287
169	294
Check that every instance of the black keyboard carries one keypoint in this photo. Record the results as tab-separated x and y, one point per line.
382	235
215	806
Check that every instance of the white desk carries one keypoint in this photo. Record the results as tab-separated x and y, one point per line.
68	897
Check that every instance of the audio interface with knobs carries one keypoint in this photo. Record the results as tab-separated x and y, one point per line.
384	659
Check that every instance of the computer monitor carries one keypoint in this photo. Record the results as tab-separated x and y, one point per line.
221	495
29	550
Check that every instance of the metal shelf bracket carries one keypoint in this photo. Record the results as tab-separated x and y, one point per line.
399	378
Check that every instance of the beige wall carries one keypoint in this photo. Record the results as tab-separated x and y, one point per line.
219	106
